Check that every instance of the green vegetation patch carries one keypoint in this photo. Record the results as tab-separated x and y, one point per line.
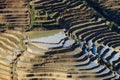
32	15
22	45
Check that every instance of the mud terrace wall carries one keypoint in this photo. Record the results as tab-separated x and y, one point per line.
110	8
14	13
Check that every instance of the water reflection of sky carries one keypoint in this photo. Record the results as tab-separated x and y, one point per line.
58	38
69	43
49	45
50	39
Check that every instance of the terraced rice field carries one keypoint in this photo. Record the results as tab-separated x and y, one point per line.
85	48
